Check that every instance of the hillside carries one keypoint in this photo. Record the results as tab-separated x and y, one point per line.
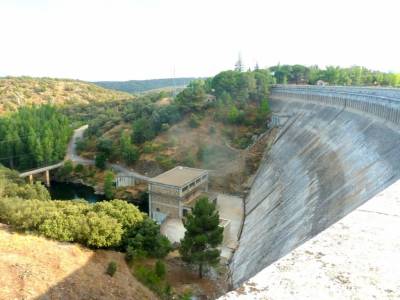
33	267
19	91
137	86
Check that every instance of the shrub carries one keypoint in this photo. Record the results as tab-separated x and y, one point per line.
66	170
104	231
111	268
149	278
145	239
26	191
159	269
79	168
189	160
194	121
98	225
109	186
100	161
133	253
165	127
165	162
126	214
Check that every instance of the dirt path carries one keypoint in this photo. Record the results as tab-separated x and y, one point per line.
74	157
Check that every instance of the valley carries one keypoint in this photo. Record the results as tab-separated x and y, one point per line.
173	185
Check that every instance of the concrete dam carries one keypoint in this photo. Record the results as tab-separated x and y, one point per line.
337	147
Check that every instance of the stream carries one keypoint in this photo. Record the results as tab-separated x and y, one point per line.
70	191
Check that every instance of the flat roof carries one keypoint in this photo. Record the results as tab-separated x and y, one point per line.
178	176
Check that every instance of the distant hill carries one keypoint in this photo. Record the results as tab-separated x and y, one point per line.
138	86
19	91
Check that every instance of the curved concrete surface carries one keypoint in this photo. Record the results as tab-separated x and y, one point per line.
356	258
339	148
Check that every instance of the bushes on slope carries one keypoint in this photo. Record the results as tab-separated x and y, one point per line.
95	225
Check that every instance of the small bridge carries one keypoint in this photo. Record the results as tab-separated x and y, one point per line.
45	170
125	177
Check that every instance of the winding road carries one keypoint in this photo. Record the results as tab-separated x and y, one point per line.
75	158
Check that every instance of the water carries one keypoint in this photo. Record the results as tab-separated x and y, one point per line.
70	191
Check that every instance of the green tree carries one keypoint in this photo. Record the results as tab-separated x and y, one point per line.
105	146
66	170
142	131
145	240
192	98
202	237
233	114
109	187
35	136
130	153
100	161
264	107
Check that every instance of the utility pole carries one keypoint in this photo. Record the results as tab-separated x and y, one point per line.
239	64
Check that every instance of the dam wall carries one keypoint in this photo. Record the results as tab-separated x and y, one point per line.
339	147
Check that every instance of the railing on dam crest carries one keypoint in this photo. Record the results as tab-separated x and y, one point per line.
383	103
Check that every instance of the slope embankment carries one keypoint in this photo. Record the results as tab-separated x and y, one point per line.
338	148
33	267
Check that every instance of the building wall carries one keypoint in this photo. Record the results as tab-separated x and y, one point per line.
166	204
167	199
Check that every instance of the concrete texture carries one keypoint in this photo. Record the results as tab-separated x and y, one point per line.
173	229
356	258
336	151
230	208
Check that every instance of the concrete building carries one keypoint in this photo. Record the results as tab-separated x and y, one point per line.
173	193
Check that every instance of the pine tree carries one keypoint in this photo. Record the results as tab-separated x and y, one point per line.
109	188
202	237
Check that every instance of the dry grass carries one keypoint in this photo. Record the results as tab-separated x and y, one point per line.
20	91
33	267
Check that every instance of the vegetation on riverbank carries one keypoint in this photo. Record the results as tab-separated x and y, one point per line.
112	224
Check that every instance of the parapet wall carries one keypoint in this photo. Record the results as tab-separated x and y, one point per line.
380	102
339	147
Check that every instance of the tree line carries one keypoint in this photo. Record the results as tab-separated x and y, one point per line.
33	137
333	75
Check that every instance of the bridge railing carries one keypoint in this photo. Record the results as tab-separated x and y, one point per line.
40	169
370	102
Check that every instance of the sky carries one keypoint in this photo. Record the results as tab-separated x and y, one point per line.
145	39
